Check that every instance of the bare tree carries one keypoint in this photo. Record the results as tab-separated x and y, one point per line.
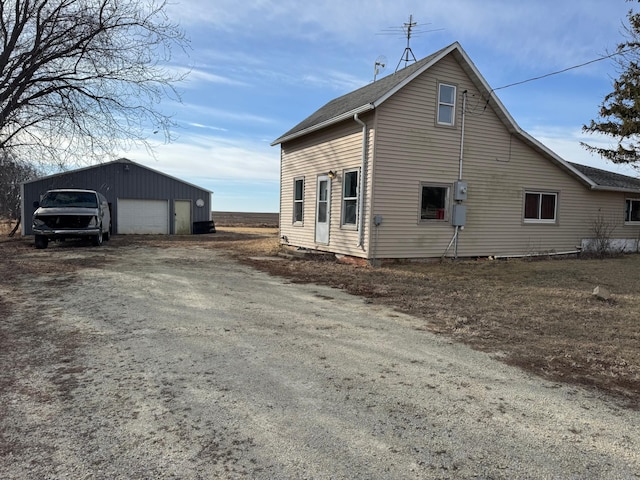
12	174
83	79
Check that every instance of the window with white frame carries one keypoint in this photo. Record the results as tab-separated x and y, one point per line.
540	207
298	200
350	198
433	202
632	210
446	104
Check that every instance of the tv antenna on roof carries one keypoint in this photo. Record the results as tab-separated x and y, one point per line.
408	30
407	51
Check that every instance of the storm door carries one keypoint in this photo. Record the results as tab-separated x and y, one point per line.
323	199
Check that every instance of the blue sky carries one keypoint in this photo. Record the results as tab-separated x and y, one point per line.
258	67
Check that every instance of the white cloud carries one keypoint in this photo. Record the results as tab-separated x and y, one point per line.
207	127
194	76
236	116
213	158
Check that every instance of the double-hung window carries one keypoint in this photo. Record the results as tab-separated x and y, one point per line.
632	210
446	104
350	198
433	202
540	207
298	200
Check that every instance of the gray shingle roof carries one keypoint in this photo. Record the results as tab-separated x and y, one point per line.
604	178
362	97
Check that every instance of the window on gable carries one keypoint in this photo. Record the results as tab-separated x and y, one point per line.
350	198
632	210
446	104
298	200
433	202
540	207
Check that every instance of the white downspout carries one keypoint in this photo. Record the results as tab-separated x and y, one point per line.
363	175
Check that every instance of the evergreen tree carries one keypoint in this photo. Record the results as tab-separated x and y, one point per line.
619	114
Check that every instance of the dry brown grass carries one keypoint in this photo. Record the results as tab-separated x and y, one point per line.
6	226
538	315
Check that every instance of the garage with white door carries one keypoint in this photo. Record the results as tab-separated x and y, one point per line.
143	201
143	216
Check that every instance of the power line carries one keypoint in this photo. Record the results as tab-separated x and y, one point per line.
562	71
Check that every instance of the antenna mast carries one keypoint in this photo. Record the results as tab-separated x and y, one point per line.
407	51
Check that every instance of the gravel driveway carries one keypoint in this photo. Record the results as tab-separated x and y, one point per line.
180	363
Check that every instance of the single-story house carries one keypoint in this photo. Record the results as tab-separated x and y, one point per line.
427	162
142	200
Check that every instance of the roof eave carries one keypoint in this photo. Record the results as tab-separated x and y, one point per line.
326	123
603	188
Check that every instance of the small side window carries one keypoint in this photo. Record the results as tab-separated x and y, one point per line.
632	210
540	207
298	200
350	198
446	104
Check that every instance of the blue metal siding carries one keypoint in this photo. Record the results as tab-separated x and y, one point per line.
120	179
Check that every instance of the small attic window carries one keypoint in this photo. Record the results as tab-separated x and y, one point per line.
446	104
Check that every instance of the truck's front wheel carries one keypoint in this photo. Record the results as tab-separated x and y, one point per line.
41	241
97	240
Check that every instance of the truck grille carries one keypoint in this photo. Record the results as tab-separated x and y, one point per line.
67	221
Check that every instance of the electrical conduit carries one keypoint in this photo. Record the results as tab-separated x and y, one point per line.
361	183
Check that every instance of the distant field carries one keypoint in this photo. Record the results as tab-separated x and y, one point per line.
246	219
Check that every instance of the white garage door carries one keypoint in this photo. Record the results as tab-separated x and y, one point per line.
143	216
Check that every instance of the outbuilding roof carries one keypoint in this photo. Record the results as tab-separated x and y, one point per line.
374	94
122	161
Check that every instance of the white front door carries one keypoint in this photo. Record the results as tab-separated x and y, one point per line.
323	196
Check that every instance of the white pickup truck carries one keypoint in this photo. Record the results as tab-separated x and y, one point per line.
71	213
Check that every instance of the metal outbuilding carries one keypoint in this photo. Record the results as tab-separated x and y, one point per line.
142	200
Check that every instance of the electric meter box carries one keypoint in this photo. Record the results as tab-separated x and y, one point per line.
460	190
459	215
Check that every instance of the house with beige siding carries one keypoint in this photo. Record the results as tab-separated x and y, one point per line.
427	162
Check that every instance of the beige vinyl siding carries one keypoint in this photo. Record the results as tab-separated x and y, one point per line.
337	148
498	167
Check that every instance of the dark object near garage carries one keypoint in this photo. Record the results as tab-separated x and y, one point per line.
204	227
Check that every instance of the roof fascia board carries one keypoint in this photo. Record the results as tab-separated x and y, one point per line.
615	189
326	123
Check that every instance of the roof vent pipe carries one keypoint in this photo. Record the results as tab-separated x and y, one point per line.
361	182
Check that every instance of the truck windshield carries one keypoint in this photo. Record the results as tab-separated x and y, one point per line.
69	199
